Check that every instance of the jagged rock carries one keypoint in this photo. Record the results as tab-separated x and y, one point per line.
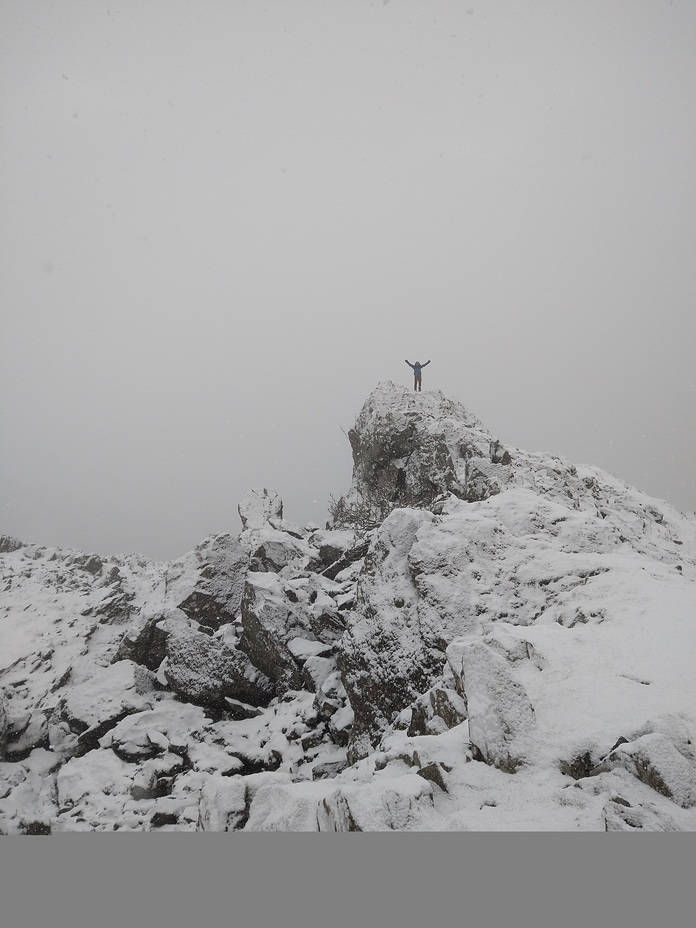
437	710
269	622
384	662
92	708
498	706
285	806
217	594
275	550
145	641
332	545
115	608
327	770
408	451
655	760
224	804
27	737
258	507
8	544
326	620
204	670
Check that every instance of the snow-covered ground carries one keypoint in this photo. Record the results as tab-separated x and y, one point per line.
511	647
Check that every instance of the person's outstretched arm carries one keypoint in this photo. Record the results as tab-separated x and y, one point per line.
410	365
426	364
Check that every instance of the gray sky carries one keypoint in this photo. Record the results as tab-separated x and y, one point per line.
224	222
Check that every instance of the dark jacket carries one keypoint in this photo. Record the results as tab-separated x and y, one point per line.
417	367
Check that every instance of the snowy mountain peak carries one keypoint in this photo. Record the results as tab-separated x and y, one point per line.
486	639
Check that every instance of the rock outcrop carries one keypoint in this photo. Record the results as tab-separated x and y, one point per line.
482	639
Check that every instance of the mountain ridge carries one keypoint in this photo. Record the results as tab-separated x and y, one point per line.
483	638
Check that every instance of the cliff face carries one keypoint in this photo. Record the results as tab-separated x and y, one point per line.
480	630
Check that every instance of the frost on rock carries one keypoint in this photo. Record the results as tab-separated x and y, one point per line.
655	760
401	804
270	620
498	706
219	581
412	450
93	707
205	671
259	507
384	661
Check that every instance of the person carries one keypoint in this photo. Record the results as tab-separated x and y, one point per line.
417	368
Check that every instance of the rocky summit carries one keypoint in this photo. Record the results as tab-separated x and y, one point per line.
481	639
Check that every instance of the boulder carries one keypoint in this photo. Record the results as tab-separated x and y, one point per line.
397	804
150	732
655	760
145	640
498	706
258	507
436	711
384	661
92	708
203	670
269	621
216	593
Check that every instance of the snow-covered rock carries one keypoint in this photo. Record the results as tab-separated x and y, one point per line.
384	661
258	507
476	610
92	708
498	707
270	620
204	670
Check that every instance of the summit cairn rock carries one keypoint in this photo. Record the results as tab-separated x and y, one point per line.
415	450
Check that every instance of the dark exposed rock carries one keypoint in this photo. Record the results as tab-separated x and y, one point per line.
145	641
8	544
498	706
217	594
205	671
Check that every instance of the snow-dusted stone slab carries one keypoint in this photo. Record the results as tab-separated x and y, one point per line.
148	733
205	671
273	550
498	706
383	659
269	622
396	804
656	762
93	707
224	804
258	507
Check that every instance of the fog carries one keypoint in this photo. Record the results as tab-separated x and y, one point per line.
223	223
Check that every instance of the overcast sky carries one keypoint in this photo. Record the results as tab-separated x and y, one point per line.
225	221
